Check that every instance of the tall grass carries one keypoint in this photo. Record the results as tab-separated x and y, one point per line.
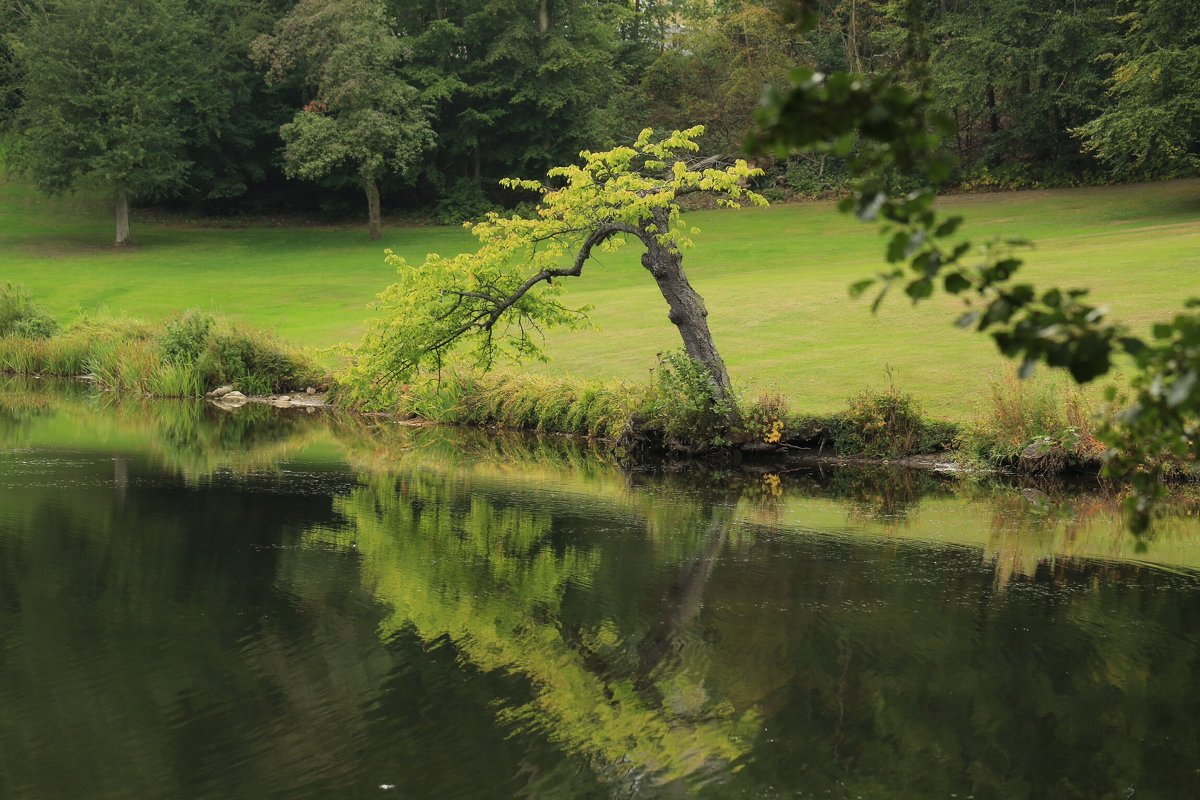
529	402
1044	415
181	357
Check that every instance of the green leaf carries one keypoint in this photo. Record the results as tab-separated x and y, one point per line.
919	289
948	227
955	283
858	287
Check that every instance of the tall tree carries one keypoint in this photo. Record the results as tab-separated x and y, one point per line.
518	86
106	87
233	139
715	69
362	118
1150	123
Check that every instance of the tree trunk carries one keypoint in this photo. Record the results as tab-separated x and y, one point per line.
993	114
687	311
122	214
373	225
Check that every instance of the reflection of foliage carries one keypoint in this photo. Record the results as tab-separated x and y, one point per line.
875	493
637	623
490	578
187	437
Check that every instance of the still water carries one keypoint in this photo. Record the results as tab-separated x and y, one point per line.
262	604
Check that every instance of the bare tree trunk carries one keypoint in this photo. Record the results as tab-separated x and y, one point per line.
122	214
687	311
373	225
993	114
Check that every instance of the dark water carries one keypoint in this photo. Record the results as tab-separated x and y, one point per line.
267	604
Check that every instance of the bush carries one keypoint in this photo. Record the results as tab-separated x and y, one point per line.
764	420
180	358
685	405
253	362
20	316
880	424
818	176
185	338
463	202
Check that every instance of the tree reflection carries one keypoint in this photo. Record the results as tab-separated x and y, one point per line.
455	561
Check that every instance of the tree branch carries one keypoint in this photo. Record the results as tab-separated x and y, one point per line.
601	234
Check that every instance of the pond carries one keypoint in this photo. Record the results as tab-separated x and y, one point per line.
267	603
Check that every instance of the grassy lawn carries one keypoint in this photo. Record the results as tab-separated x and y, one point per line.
774	281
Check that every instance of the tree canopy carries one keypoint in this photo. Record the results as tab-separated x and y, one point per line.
362	117
109	91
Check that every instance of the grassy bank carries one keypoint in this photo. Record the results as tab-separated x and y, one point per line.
181	356
774	280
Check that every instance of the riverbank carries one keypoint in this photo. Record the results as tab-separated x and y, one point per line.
672	416
774	281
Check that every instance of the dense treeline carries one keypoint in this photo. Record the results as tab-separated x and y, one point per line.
430	102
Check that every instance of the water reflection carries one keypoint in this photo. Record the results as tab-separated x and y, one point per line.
196	604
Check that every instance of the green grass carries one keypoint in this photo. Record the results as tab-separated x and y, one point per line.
774	281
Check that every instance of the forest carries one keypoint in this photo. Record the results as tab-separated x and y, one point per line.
266	106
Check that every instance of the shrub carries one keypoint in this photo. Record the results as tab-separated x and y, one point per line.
817	176
463	202
185	337
685	405
253	362
21	316
880	424
765	419
1051	422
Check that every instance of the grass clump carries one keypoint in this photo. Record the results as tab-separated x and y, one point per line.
1033	426
527	402
180	357
21	317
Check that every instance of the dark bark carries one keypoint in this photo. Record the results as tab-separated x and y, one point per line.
685	308
993	114
374	227
122	215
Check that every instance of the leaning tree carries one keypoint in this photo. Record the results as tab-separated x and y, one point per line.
499	298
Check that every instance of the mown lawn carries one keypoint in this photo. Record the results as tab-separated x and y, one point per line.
774	280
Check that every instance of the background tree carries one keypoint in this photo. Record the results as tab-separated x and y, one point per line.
106	88
362	117
517	87
501	296
714	72
1150	124
232	141
879	125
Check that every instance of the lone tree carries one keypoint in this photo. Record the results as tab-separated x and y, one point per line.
108	86
363	119
499	298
